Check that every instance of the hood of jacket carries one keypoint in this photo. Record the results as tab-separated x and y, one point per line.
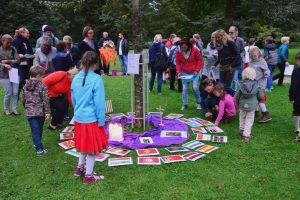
249	87
31	84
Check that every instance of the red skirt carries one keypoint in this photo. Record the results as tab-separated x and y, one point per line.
90	138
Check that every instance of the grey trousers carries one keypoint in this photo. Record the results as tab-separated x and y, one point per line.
11	90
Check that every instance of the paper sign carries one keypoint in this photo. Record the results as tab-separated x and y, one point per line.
13	75
289	70
133	63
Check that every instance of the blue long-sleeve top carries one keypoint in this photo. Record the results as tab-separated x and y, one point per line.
88	100
154	49
283	53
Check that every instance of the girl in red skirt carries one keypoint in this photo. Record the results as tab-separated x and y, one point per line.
88	99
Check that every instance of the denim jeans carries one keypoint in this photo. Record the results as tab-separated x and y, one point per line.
185	92
208	105
11	90
124	62
237	77
270	78
159	73
36	125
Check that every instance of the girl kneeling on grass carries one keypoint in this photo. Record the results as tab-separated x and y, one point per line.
247	97
226	107
88	99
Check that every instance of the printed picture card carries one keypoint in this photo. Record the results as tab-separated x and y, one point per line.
147	152
193	156
214	129
72	152
112	162
67	144
220	139
173	116
146	140
172	159
193	144
203	137
184	120
100	157
194	124
166	133
117	115
176	149
207	149
149	161
68	129
154	114
66	136
117	151
199	130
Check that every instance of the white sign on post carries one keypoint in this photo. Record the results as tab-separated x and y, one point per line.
133	63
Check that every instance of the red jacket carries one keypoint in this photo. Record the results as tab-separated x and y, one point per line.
193	64
58	83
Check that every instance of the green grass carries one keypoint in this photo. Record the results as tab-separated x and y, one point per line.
266	168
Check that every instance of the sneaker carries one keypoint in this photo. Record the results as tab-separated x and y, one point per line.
33	146
89	179
297	132
79	171
268	90
184	107
41	152
265	118
198	107
16	113
7	113
246	139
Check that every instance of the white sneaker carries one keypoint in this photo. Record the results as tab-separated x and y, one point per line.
198	107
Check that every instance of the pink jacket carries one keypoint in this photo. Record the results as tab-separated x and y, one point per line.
226	107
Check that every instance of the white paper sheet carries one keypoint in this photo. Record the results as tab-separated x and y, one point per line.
133	63
14	75
289	70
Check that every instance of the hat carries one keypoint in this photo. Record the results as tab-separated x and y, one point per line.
48	28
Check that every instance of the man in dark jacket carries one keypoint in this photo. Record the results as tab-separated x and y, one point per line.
24	49
122	49
103	39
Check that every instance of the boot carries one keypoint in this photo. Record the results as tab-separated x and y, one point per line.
265	118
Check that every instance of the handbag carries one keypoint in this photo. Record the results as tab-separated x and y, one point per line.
160	61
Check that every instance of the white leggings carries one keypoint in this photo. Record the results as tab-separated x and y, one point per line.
11	90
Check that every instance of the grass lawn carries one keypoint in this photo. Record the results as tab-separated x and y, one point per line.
266	168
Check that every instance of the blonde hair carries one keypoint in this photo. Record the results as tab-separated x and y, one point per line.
254	49
224	35
249	74
157	38
67	39
284	39
6	37
176	39
23	30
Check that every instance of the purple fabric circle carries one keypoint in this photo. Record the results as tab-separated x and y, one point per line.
132	141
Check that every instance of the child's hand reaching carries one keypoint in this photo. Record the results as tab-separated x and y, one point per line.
216	123
47	116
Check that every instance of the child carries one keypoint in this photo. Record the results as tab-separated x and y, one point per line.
262	73
208	99
294	95
88	99
247	97
37	108
226	106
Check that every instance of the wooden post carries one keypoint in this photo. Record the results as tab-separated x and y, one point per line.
138	48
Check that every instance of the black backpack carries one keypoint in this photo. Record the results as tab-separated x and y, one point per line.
160	61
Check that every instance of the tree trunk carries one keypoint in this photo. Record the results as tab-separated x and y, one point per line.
138	48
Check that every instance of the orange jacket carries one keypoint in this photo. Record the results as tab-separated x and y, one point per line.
58	83
107	55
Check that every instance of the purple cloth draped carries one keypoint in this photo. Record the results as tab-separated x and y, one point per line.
132	141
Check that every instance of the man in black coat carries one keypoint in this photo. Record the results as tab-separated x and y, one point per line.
122	50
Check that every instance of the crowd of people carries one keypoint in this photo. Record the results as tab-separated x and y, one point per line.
228	75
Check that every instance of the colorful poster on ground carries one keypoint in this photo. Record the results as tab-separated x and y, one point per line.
112	162
147	152
149	161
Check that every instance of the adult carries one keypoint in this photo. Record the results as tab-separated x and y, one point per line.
122	49
211	55
249	44
283	56
171	40
9	58
88	44
271	56
45	54
199	42
157	51
108	54
188	65
62	61
172	65
25	51
228	58
47	31
239	42
71	49
104	38
59	92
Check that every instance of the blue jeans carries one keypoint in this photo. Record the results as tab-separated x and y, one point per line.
36	125
270	78
185	92
208	105
237	77
159	79
124	62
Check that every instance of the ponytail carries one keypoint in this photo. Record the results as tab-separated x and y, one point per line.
88	59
